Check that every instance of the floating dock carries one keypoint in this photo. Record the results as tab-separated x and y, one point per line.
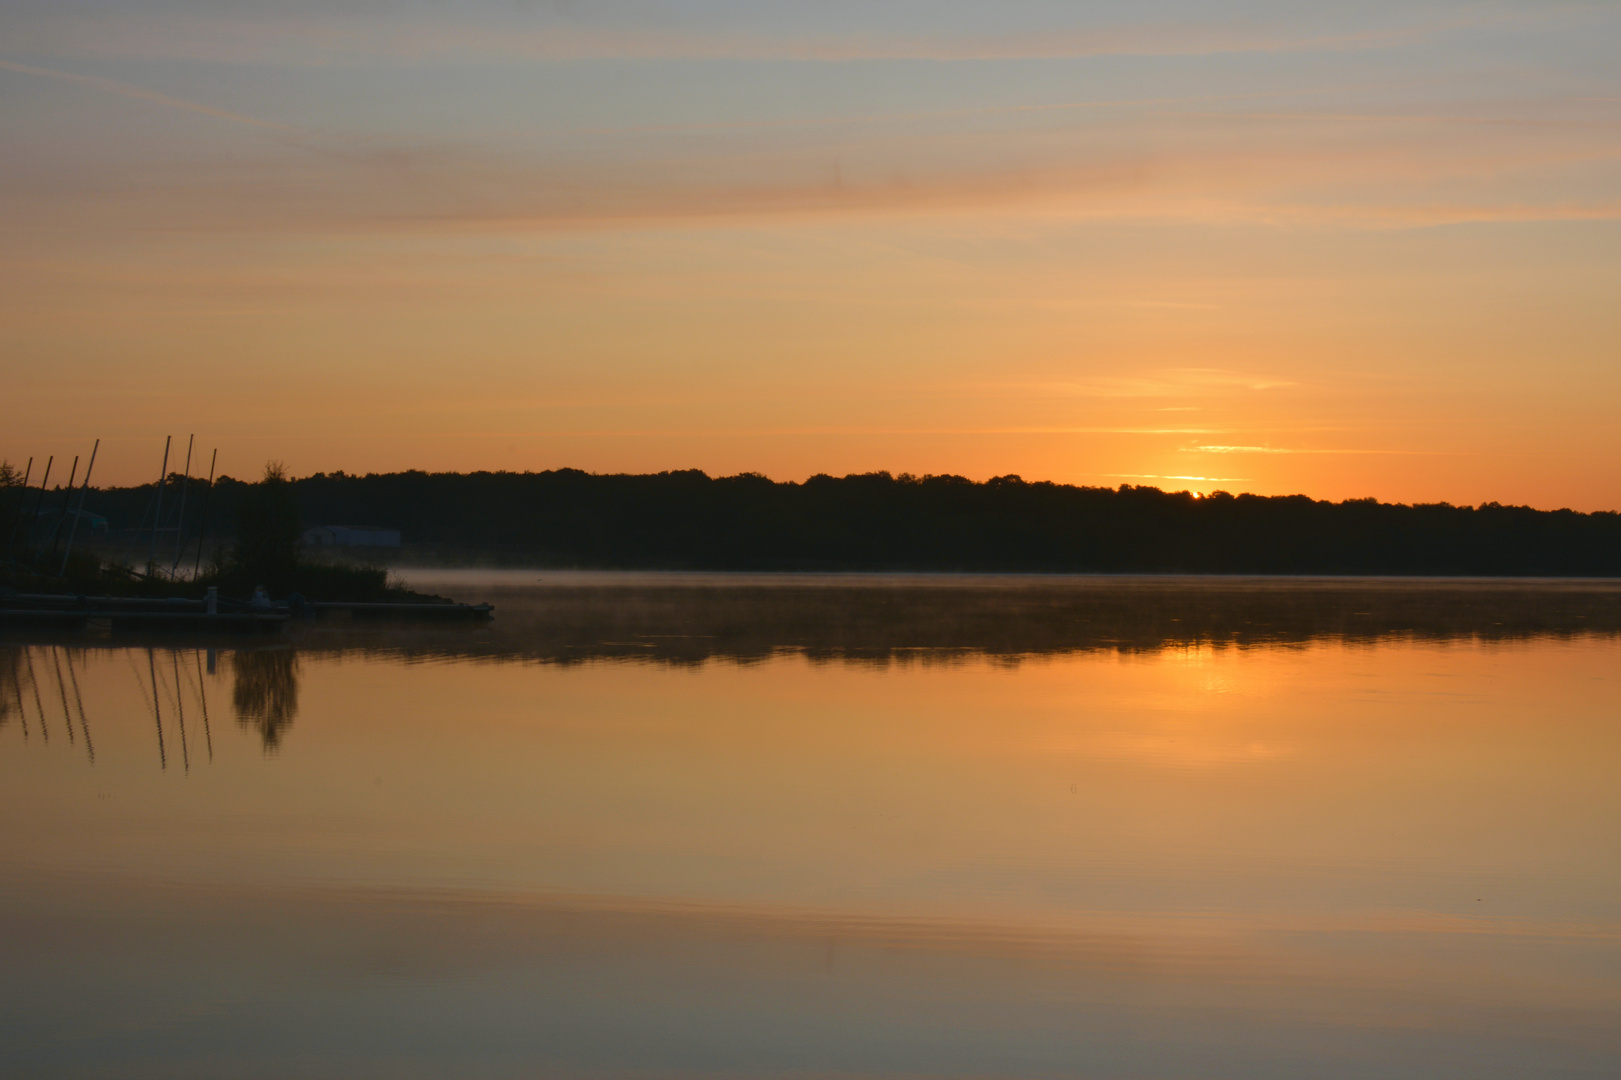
19	610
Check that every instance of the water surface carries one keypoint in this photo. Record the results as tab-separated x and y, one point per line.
693	825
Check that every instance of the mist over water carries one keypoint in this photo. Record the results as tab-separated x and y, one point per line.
873	826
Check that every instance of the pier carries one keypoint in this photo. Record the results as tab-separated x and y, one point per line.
21	610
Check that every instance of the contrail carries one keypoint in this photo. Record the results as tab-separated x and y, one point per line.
140	93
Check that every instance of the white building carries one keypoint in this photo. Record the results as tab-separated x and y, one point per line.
351	536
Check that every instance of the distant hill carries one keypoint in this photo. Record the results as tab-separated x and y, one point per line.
876	521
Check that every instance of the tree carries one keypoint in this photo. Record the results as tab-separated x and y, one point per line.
268	532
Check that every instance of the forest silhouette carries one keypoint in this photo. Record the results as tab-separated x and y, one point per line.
879	521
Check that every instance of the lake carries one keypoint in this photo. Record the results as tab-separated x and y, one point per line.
652	825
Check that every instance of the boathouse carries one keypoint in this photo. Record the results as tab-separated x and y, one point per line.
351	536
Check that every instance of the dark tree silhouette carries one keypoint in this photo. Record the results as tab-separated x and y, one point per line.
876	521
267	532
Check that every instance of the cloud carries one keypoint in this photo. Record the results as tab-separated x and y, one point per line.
1170	382
345	34
141	93
1197	479
1237	450
795	431
317	183
1171	158
1203	449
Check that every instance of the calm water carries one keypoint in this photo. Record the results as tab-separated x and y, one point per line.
661	826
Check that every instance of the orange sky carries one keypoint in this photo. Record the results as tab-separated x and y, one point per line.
1250	246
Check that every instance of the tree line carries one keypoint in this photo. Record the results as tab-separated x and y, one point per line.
879	521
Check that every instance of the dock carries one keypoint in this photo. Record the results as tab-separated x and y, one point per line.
20	610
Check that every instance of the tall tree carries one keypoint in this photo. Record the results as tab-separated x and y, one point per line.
268	532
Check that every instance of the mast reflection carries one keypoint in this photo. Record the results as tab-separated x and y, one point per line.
12	677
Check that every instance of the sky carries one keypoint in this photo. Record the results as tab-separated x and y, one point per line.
1339	249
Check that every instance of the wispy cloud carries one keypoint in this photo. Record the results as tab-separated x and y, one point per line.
1379	172
1238	450
1205	449
980	112
141	93
1170	382
1196	479
322	35
790	431
1173	305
